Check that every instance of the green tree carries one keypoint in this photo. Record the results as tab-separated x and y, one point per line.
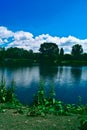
49	48
49	53
17	53
77	50
61	52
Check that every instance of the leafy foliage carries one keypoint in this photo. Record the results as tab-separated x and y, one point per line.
49	53
3	91
49	48
83	124
43	105
77	50
7	94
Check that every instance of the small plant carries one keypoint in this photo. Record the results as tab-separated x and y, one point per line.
39	98
3	91
41	93
38	106
11	93
43	105
7	94
51	95
83	124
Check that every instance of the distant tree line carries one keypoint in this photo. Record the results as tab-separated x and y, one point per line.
48	53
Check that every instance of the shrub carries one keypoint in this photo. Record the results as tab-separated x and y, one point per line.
7	94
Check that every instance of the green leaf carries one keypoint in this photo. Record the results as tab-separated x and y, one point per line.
46	102
4	99
54	100
51	109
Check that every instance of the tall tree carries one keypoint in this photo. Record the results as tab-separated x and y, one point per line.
77	50
49	48
61	52
49	52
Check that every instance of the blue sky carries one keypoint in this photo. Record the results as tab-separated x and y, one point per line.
57	18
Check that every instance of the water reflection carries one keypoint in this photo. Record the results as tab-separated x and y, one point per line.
64	76
48	71
23	76
69	82
76	73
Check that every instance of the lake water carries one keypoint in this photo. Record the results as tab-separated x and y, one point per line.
69	82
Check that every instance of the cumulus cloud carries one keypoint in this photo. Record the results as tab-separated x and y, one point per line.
26	40
21	35
5	33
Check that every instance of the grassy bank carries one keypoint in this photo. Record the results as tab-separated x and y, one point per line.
18	118
10	120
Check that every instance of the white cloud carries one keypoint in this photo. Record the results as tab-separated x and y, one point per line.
21	35
5	33
27	41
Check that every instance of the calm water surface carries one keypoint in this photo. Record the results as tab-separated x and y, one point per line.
69	82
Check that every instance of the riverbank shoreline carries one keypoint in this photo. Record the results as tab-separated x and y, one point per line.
27	62
11	120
